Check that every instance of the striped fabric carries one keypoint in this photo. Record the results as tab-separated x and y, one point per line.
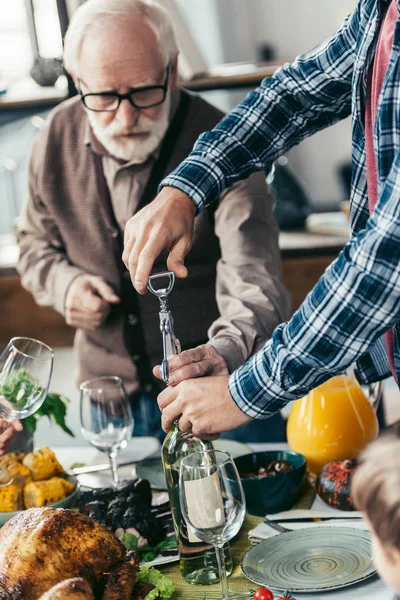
344	318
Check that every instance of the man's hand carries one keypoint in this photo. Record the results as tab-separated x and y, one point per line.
7	434
165	223
203	406
87	302
198	362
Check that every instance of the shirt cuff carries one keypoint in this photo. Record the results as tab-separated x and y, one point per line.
62	281
198	178
253	390
230	351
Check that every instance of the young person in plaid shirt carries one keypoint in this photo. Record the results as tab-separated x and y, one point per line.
353	313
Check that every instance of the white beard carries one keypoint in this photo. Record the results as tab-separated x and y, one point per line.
128	149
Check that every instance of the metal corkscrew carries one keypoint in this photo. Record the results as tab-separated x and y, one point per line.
171	344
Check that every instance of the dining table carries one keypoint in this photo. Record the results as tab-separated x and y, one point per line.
138	449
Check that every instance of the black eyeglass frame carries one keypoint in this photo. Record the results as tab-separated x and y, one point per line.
128	96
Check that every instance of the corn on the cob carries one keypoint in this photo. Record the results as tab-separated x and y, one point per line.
42	464
11	498
42	493
16	456
16	472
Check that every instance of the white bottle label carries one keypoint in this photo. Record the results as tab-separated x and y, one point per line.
204	504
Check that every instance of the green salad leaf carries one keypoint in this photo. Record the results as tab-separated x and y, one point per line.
148	553
164	588
54	406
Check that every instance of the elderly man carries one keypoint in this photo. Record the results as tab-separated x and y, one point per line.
98	161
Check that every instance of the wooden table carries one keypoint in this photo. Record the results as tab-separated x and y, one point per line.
373	589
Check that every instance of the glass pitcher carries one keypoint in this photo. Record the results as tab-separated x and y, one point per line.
334	421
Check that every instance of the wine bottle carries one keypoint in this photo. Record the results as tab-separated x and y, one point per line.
198	561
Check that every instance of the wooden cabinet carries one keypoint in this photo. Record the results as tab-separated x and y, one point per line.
20	315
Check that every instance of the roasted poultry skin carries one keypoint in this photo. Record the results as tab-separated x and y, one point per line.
70	589
41	547
121	579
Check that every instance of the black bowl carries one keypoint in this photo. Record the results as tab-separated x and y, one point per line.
276	493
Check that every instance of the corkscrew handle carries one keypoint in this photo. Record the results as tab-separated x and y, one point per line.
171	345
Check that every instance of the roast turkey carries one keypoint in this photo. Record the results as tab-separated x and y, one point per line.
42	547
70	589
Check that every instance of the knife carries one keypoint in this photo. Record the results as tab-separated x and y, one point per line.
106	466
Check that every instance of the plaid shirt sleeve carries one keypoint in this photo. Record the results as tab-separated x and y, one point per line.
352	305
299	100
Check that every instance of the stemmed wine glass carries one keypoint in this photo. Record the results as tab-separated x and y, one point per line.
25	372
213	504
106	417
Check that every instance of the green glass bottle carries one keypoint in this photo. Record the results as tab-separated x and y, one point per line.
198	561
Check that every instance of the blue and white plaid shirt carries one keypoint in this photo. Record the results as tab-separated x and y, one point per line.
344	317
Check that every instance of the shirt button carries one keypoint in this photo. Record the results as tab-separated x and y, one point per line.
148	387
127	275
114	232
132	319
136	357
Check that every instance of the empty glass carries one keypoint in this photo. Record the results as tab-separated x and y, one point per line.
213	503
106	417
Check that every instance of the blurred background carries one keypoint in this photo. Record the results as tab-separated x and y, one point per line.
227	47
222	31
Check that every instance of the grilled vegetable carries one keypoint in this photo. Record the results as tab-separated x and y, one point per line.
43	464
11	498
16	456
16	472
42	493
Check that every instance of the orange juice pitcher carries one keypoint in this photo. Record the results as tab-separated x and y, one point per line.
334	421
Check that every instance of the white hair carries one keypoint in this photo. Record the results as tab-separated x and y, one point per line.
97	14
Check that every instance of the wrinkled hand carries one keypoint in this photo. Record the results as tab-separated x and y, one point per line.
198	362
165	223
203	406
87	302
7	434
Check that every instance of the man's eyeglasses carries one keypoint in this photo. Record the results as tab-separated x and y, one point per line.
144	97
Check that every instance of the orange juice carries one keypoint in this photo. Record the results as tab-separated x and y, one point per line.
334	421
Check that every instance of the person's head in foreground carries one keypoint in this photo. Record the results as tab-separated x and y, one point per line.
376	492
124	47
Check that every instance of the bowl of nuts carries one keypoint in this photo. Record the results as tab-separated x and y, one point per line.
271	480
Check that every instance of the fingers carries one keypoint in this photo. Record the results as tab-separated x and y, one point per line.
167	396
6	438
91	302
141	272
176	258
17	425
185	425
104	290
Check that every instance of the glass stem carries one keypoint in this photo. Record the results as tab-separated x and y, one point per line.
114	467
223	580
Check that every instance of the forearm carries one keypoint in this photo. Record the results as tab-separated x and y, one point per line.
355	302
296	102
251	297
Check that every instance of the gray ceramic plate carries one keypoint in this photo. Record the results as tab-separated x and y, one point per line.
67	502
311	560
152	468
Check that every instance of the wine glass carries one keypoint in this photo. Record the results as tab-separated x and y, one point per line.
106	417
213	504
25	371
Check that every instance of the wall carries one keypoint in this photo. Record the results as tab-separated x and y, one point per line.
234	30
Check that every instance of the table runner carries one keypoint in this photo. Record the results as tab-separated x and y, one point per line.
237	581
